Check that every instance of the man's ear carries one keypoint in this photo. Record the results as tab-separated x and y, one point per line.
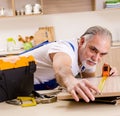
81	41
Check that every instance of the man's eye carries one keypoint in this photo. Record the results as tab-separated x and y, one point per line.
93	49
103	54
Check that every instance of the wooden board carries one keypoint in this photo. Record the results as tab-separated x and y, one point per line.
43	34
111	88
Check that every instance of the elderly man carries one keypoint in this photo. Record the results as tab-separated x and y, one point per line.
63	60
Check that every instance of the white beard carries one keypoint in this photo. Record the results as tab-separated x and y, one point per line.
88	68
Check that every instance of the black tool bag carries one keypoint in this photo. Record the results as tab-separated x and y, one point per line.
16	82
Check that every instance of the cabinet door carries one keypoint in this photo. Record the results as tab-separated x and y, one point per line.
63	6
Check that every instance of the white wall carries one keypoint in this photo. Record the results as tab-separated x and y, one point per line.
67	26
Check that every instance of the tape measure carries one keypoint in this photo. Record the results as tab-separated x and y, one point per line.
105	73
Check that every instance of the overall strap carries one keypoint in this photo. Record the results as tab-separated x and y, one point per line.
37	46
71	46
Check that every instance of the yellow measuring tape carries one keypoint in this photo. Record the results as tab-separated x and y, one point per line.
102	83
105	73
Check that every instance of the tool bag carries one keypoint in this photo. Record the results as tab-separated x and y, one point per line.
16	79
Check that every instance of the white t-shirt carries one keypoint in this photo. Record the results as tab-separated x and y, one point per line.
44	70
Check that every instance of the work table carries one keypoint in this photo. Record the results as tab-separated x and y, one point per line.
61	108
64	107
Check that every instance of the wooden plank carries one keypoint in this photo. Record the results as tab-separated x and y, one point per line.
43	34
111	88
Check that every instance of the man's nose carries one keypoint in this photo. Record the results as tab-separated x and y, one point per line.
96	57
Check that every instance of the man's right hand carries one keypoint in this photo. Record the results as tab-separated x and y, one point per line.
65	77
82	88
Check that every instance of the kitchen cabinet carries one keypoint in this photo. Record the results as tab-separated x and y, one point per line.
19	7
66	6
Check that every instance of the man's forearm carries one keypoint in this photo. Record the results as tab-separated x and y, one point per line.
64	76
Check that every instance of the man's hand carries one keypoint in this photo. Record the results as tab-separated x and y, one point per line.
65	77
113	71
82	88
107	70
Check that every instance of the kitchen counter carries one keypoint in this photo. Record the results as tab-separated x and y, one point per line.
15	52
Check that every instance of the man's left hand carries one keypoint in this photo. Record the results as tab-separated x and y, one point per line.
113	71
